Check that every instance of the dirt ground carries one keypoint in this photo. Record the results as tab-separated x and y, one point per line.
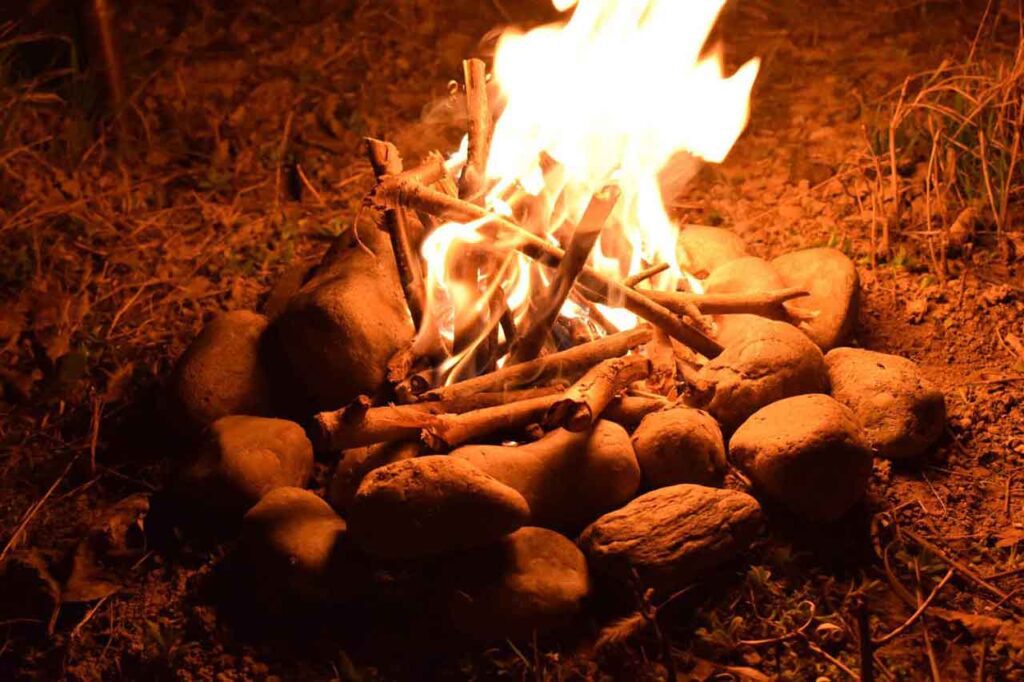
238	155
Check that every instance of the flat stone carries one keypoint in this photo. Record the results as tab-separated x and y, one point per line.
432	505
679	445
531	580
334	338
221	373
672	536
293	545
902	413
703	249
772	361
830	278
242	458
807	453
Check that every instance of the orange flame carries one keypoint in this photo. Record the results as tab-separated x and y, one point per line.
616	94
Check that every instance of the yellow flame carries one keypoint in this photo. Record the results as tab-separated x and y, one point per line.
615	94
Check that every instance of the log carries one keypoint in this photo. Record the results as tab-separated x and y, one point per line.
576	254
583	403
567	364
358	424
393	192
447	431
386	161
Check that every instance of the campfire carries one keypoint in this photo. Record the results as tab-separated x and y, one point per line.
528	349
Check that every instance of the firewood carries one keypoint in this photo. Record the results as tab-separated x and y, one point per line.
763	303
593	312
393	192
446	431
585	400
471	182
358	424
645	274
426	346
629	410
385	160
567	364
576	255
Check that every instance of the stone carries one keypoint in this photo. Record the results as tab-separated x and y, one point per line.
293	544
745	275
431	505
532	580
902	413
830	278
772	361
221	373
355	463
242	458
702	249
334	338
672	536
807	453
288	283
27	588
568	478
680	445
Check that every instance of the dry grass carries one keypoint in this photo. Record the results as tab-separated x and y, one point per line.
945	157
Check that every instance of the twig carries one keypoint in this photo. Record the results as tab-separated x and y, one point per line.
471	182
34	509
885	639
576	254
391	192
755	303
385	159
567	364
645	274
789	635
449	430
960	567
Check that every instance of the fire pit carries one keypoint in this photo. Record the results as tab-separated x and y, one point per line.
530	367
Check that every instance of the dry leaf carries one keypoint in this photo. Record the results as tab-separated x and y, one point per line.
108	550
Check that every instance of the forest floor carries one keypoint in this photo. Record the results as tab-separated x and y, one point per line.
238	155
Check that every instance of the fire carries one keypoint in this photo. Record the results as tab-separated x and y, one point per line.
618	94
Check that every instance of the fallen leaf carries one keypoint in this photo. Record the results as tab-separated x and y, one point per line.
108	550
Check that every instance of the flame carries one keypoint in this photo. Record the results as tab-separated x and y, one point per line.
618	93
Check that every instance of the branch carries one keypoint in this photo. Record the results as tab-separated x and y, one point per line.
585	400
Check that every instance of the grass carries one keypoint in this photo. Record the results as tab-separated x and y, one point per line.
945	154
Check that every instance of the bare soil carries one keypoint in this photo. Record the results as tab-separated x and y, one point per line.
238	156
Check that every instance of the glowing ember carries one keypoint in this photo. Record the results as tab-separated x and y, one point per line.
619	94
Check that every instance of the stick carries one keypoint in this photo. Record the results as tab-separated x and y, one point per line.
472	180
885	639
645	274
357	424
576	254
566	364
757	303
449	430
585	400
593	312
629	411
385	160
960	567
391	193
428	346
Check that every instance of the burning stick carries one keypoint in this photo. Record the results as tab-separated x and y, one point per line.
565	364
391	193
446	431
358	424
645	274
593	312
471	182
569	268
386	161
585	400
757	303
